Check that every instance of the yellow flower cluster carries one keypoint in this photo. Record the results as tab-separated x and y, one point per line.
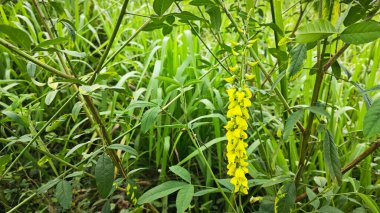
236	134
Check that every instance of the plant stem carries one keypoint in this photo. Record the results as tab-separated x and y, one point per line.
50	69
38	134
193	139
111	40
306	135
261	66
349	166
140	29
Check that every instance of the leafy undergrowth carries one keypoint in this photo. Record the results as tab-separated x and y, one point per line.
189	106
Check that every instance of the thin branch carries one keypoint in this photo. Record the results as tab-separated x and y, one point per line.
52	70
348	167
261	66
112	39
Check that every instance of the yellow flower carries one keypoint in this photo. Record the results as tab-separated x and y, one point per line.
252	41
236	111
249	76
242	123
236	127
234	44
230	79
235	53
231	92
252	63
233	69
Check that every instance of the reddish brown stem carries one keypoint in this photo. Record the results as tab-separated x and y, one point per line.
349	166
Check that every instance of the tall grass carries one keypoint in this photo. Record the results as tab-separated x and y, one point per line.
157	108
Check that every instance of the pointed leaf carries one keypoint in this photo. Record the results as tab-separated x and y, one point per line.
149	118
64	194
292	120
160	191
160	6
331	157
16	35
184	197
298	56
370	202
314	31
285	198
215	17
371	126
329	209
50	97
70	27
361	33
104	173
182	172
125	148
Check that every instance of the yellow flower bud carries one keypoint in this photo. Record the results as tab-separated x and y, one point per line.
230	79
249	76
234	44
252	41
235	53
233	69
252	63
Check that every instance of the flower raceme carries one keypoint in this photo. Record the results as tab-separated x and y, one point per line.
236	127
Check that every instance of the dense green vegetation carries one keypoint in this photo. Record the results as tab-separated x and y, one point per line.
189	106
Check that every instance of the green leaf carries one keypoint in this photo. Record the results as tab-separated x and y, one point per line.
31	69
331	157
140	104
168	80
201	2
286	197
313	197
76	110
45	187
166	30
50	42
160	191
154	25
371	123
184	197
50	97
207	191
329	209
160	6
104	173
123	147
74	53
292	120
215	17
354	14
370	203
185	16
361	33
16	35
318	110
64	194
203	147
149	118
182	172
297	59
16	118
106	207
57	123
43	160
4	160
314	31
70	27
336	69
